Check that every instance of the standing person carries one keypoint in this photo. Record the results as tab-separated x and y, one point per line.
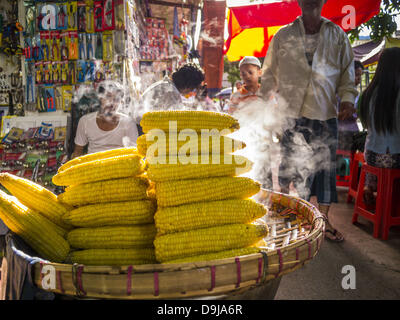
250	73
243	104
379	110
347	128
105	129
309	62
167	94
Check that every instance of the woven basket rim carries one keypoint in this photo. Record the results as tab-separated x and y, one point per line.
271	263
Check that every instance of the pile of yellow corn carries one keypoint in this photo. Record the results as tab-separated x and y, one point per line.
35	214
204	210
111	211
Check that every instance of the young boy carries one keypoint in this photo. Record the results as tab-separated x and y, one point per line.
250	115
250	73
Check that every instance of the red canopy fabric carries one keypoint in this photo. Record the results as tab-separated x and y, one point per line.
276	13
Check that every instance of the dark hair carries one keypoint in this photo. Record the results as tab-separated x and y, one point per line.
386	86
358	65
188	76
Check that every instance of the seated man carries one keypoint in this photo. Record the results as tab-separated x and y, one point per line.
105	129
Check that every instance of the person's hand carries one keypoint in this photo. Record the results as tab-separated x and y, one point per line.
346	111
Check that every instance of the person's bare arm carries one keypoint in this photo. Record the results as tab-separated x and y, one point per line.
78	151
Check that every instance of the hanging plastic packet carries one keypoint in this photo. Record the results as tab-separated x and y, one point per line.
45	132
108	51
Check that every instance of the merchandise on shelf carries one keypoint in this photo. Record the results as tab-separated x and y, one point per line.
156	47
72	43
35	153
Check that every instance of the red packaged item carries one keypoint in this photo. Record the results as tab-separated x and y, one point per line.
98	16
109	15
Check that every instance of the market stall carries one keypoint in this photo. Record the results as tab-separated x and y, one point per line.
131	226
56	51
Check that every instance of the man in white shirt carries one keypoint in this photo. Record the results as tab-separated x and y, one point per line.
105	129
309	63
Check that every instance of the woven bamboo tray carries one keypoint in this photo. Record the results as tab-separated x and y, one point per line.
296	233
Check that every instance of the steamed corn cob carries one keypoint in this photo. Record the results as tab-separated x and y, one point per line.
43	221
101	169
36	197
97	156
217	255
184	119
207	214
175	193
192	167
112	237
112	257
112	213
124	189
30	226
195	144
207	240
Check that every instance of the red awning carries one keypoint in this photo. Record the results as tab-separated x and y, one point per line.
251	27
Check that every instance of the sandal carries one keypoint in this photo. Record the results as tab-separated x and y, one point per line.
337	237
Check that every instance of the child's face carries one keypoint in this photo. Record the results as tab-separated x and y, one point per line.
250	74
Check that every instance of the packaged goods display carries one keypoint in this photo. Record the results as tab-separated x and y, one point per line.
34	153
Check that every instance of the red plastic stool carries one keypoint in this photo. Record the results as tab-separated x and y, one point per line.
361	209
391	215
344	181
355	161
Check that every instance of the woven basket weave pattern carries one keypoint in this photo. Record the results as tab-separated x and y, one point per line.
207	278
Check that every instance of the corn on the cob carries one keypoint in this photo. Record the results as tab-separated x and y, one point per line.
112	213
36	197
175	193
124	189
184	119
112	237
217	255
97	156
101	169
31	227
207	240
113	257
43	221
213	144
223	166
207	214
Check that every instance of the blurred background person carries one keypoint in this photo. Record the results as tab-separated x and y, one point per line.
170	92
379	111
250	73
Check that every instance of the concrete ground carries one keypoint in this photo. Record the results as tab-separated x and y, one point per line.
376	263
